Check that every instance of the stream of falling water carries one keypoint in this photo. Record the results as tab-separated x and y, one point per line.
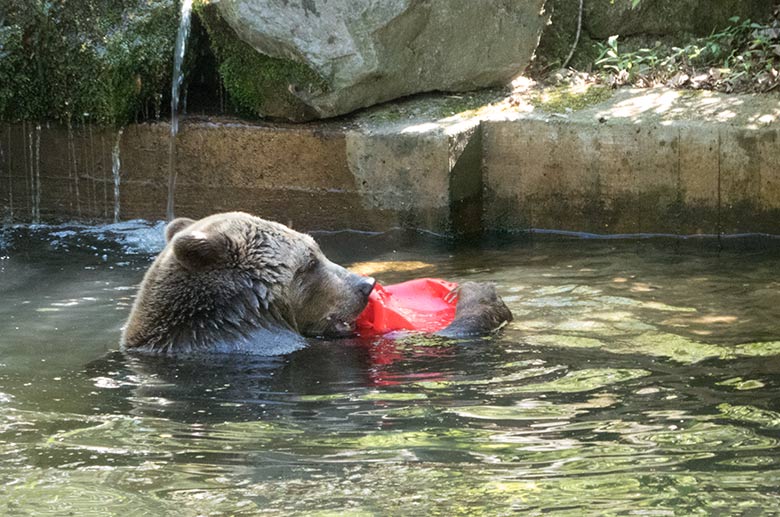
37	218
6	160
116	165
28	167
35	174
74	167
178	77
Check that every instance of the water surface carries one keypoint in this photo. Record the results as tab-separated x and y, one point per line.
639	377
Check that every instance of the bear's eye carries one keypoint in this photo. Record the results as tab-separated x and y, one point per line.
311	263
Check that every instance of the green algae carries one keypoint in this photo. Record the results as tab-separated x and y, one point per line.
560	99
109	63
258	85
567	341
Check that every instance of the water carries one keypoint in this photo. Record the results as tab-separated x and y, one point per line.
116	170
178	78
6	161
73	170
637	379
35	174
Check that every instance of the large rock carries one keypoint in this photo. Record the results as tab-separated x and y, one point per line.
366	52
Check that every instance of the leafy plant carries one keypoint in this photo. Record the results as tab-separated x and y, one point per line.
103	61
742	56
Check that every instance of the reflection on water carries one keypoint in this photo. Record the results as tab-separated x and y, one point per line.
637	377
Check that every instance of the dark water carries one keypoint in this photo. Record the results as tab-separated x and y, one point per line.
638	378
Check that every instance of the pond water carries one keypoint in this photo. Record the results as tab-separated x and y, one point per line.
639	377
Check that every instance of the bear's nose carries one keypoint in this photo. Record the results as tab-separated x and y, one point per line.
366	285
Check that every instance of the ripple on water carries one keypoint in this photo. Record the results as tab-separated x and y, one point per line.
655	344
628	383
533	409
578	381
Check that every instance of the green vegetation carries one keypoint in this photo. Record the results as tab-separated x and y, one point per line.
742	57
106	62
109	62
256	84
682	44
559	99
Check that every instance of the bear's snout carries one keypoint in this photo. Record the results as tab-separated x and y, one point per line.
364	285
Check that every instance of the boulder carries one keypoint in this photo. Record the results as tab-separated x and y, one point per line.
366	52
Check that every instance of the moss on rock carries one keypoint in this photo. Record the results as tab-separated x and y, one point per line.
102	61
558	99
257	84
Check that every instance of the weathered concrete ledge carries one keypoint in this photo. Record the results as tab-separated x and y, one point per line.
643	161
314	176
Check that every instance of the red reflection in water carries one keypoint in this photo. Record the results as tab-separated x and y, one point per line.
385	352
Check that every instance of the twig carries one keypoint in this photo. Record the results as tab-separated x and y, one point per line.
576	38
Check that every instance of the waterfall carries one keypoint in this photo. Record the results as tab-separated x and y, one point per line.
116	165
10	178
28	167
34	182
178	78
37	216
89	166
73	168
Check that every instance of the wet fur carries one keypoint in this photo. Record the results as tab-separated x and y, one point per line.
235	283
479	311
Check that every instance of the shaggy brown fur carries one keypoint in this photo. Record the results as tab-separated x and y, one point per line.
479	311
237	283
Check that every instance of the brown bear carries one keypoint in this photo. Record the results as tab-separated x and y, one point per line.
236	283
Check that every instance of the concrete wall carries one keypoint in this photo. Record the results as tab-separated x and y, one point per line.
631	179
665	164
642	162
312	176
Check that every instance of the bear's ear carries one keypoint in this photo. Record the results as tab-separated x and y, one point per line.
197	250
176	226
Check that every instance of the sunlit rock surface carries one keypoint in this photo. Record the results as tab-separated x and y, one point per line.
370	52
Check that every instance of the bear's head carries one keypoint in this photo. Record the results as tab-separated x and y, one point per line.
235	282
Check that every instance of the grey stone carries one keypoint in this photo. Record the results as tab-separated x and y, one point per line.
369	52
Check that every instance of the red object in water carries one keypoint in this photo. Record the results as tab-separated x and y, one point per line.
425	304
